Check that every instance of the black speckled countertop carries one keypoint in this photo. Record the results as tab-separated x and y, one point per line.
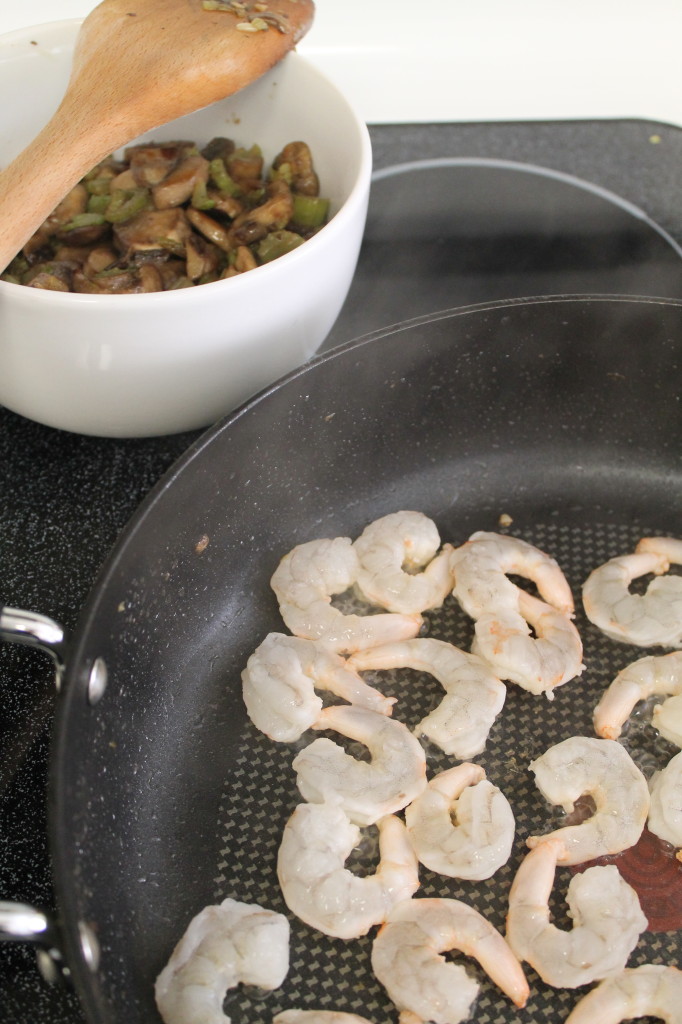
65	498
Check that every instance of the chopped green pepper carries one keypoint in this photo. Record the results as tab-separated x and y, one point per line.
98	203
276	244
98	186
171	245
84	220
310	211
282	173
200	197
221	179
125	203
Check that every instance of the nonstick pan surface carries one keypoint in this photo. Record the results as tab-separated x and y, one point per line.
560	413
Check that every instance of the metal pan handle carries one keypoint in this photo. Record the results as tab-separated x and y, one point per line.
19	626
20	922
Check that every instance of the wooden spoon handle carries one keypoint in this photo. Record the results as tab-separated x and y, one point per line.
39	178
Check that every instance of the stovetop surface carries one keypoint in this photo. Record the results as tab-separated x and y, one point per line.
481	211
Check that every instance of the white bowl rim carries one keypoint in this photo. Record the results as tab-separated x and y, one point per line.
20	34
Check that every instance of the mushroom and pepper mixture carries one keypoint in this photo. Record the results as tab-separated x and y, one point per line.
172	216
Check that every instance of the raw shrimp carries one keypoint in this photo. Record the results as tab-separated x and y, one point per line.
366	791
318	1017
667	719
224	946
280	679
537	663
607	920
651	990
317	840
668	547
647	677
474	696
406	960
306	580
652	619
401	567
665	813
603	770
481	567
461	825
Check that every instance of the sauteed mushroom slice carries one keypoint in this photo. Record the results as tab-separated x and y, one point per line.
56	276
83	230
99	258
210	229
271	215
227	205
173	273
98	180
148	278
151	163
244	259
153	231
219	148
202	258
120	280
74	204
245	167
125	181
295	165
179	185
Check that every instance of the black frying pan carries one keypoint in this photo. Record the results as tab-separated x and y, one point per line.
562	413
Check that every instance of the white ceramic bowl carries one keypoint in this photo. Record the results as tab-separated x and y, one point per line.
164	362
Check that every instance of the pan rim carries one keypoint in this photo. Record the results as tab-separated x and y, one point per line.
75	682
537	170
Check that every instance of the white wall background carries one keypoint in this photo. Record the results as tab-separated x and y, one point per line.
404	60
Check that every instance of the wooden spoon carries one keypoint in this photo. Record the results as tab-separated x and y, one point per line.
137	65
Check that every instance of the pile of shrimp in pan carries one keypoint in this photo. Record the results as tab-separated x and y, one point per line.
456	823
